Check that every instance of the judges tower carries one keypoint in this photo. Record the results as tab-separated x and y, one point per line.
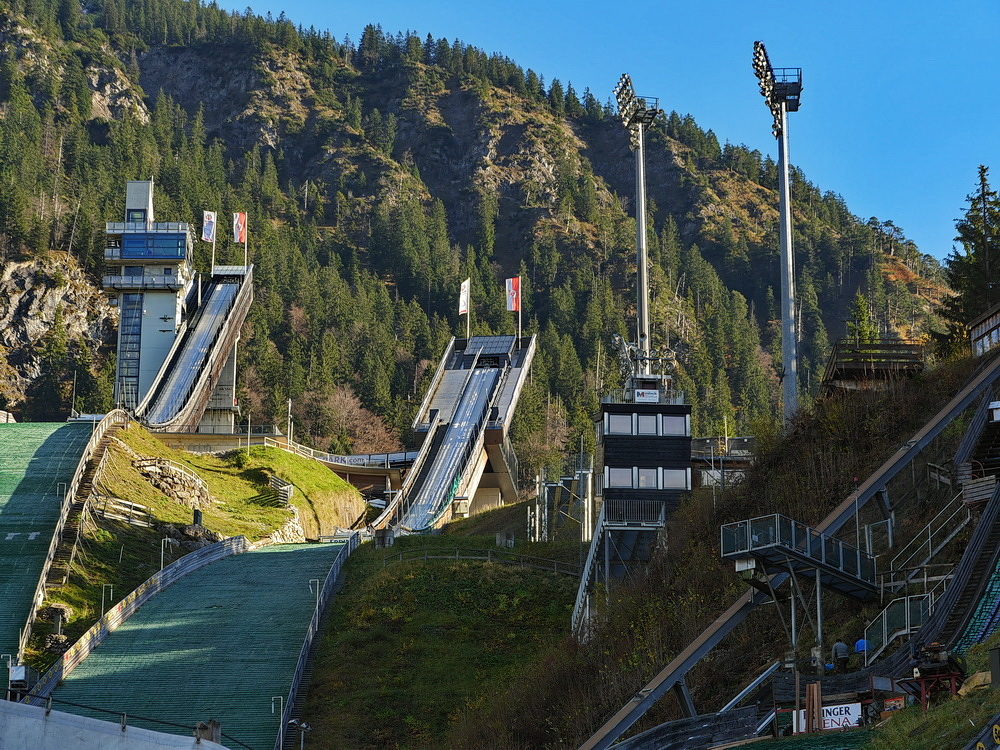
150	277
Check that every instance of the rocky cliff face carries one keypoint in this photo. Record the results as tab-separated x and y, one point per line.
31	292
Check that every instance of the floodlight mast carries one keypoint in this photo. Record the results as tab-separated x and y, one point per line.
781	89
636	113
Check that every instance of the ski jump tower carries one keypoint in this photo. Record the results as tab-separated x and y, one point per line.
167	322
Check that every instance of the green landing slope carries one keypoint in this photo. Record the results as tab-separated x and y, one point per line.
34	459
218	644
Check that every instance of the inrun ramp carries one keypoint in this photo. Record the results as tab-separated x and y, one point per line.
220	643
35	458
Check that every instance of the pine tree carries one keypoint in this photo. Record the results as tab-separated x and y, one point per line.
974	270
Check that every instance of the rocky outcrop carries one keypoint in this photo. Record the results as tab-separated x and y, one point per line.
112	95
31	293
175	482
191	537
290	532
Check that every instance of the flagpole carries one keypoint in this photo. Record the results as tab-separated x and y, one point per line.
246	243
213	252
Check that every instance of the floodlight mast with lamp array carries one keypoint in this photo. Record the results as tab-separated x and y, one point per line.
782	89
636	113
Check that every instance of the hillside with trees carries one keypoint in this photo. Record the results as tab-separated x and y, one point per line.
378	174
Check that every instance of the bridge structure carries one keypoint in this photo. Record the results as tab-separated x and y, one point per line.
466	463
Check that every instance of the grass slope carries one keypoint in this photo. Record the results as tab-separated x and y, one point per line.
412	647
114	557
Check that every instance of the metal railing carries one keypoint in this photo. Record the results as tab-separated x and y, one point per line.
634	512
934	536
119	227
901	617
127	607
370	460
768	671
114	417
351	544
195	398
776	530
581	608
510	456
627	396
143	282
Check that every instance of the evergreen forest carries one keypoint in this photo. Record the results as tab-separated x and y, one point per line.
379	173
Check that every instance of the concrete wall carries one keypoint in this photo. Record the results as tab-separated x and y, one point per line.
157	334
24	727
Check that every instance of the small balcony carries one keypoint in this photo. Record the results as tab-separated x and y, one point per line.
123	227
131	283
640	396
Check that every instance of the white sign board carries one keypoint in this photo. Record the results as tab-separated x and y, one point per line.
844	716
652	397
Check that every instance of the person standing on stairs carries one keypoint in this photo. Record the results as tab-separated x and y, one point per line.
840	656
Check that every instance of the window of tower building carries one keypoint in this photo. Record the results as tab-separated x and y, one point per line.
647	424
674	424
619	477
619	424
675	479
647	478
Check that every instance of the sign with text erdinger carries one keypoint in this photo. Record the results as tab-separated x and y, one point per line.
843	716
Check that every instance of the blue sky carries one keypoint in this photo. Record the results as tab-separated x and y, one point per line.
900	101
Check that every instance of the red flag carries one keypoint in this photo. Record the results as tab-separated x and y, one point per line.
514	294
240	227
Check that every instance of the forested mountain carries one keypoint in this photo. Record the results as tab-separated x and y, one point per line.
378	174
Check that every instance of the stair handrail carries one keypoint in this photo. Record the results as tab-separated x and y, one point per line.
975	429
880	623
768	671
580	607
952	509
113	417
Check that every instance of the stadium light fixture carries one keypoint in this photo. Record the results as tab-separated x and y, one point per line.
637	113
782	89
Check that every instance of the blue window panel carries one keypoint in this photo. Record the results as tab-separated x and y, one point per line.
154	246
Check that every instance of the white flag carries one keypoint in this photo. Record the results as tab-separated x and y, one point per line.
463	298
208	226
